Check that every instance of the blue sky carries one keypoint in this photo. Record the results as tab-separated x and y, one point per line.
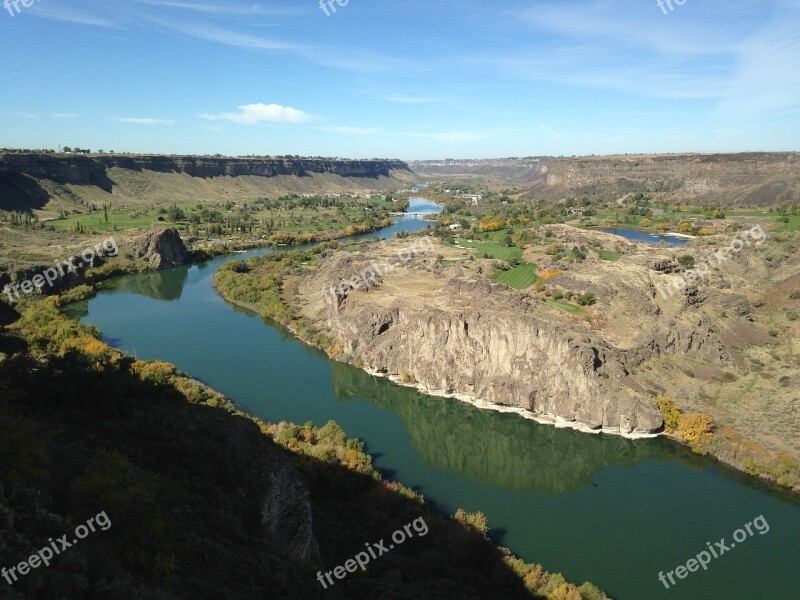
410	79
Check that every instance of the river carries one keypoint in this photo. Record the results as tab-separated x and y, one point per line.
594	507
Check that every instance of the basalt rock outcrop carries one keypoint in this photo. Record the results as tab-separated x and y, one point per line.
160	249
477	338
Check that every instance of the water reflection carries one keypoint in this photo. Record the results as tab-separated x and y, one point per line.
502	450
159	285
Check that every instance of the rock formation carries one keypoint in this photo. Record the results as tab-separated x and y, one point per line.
161	249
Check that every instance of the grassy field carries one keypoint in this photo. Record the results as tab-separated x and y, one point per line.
570	308
118	220
491	249
519	277
608	255
282	219
793	224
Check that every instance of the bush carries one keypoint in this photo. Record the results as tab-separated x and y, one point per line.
476	521
671	412
686	261
586	299
696	429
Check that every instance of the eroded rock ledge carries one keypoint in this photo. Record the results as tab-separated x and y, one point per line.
440	328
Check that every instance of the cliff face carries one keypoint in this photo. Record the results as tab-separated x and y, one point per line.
35	181
726	345
161	249
505	358
442	328
752	179
512	453
93	169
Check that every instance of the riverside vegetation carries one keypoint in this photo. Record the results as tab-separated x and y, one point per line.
206	501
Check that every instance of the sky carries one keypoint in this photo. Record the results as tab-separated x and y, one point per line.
408	79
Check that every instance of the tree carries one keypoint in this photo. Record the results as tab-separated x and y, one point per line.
476	520
175	214
696	429
586	299
671	412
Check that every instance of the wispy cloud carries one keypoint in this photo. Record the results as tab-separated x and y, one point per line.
144	121
226	37
228	8
58	12
251	114
64	115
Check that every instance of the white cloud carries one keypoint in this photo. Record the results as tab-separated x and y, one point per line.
64	115
250	114
144	121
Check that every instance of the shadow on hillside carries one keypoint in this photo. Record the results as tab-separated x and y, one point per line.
184	486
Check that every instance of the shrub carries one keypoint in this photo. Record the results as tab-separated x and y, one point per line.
548	274
476	521
686	261
696	429
671	412
586	299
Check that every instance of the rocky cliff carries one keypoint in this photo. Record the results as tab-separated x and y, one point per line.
48	182
152	250
726	345
93	170
161	249
750	179
438	327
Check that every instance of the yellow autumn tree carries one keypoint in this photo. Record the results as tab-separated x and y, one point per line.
476	520
696	429
566	591
671	412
